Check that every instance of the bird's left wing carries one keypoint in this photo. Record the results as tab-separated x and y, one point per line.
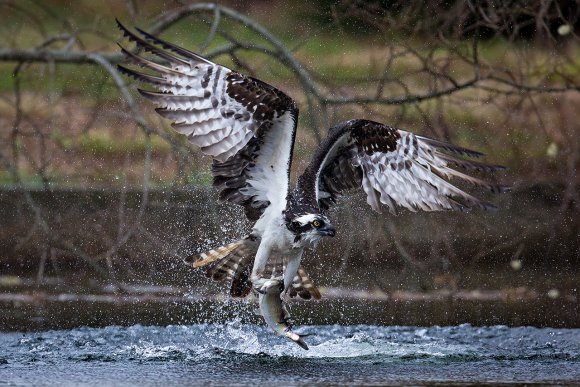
247	126
393	167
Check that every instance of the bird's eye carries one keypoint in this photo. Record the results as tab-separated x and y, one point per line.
316	223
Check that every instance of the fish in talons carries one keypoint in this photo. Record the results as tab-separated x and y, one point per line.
275	313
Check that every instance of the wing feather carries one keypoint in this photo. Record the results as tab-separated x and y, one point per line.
394	168
139	76
247	126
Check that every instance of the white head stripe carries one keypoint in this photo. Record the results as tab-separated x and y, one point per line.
305	219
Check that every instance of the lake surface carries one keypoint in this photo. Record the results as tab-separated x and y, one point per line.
242	354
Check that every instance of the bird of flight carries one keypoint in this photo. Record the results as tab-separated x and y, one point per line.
248	127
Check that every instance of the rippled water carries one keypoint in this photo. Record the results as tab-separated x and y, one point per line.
235	353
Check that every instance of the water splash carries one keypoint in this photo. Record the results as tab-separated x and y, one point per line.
252	353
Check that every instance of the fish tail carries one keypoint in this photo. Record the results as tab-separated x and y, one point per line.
298	339
301	343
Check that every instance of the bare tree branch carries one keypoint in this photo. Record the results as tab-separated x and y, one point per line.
56	56
421	84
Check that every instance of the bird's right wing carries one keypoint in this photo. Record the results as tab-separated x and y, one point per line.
247	126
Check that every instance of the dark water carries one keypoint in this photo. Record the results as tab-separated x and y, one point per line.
235	353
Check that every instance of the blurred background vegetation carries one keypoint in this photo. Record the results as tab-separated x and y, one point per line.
98	195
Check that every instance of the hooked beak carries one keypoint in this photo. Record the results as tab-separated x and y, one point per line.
328	230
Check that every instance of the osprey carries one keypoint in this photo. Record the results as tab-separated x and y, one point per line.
248	127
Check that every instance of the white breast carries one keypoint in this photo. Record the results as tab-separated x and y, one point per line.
277	241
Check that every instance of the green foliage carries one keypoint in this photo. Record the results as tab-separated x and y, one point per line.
345	56
6	77
62	140
27	178
103	143
99	143
199	177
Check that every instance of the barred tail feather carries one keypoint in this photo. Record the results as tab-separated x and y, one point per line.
241	284
213	255
303	286
231	262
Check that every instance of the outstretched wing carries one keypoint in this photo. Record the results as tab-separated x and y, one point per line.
393	167
246	125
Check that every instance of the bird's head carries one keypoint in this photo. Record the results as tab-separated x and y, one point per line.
310	227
